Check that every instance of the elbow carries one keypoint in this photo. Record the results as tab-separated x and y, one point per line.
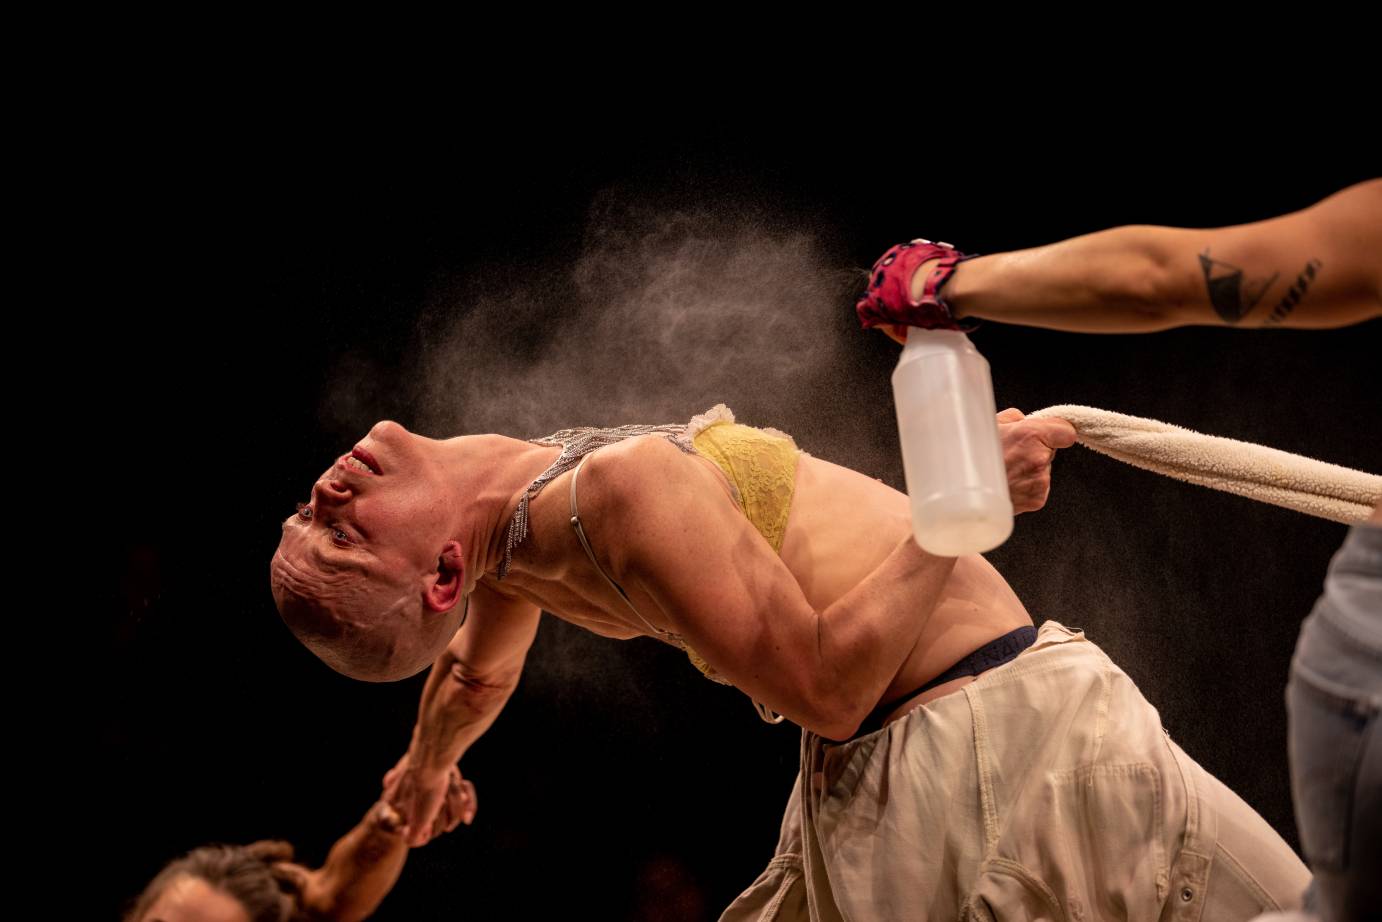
837	725
1153	291
1162	291
834	714
840	730
478	692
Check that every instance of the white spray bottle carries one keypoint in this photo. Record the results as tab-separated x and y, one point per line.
956	479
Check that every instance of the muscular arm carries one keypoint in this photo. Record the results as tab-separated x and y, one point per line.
467	688
718	584
1316	268
473	679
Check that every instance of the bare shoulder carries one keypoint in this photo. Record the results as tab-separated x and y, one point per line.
637	487
651	453
639	470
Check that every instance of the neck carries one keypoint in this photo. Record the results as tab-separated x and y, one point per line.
488	474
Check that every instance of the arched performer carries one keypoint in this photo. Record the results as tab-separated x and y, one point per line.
955	760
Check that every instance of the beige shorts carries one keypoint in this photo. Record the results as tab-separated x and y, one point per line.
1045	789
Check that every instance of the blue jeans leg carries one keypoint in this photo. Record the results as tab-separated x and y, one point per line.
1334	706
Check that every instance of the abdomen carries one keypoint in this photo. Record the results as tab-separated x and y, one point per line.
843	524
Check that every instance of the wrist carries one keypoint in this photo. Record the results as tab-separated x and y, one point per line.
955	291
430	757
959	287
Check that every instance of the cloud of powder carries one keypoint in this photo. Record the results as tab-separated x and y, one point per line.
661	314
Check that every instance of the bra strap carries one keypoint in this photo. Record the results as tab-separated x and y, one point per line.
585	543
766	713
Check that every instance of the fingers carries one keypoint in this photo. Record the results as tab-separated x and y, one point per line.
472	802
424	806
462	803
1029	445
445	820
271	850
1031	495
422	812
455	802
419	827
290	877
1011	415
387	818
1056	432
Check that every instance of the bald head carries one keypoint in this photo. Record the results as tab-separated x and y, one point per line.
361	621
371	572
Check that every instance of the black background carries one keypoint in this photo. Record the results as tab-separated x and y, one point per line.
248	255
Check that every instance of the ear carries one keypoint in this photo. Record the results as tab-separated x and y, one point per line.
443	588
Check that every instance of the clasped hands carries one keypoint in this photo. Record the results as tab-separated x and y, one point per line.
429	801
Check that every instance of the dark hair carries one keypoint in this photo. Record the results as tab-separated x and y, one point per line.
243	872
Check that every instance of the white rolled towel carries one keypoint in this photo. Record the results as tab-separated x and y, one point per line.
1265	474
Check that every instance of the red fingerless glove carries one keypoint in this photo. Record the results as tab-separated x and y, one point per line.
888	298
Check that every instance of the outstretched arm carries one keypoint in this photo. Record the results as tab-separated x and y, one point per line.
359	872
1315	268
467	688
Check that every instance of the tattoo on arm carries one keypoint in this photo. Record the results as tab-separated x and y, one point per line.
1297	292
1232	296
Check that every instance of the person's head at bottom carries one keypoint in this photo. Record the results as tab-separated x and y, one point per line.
220	883
261	883
368	574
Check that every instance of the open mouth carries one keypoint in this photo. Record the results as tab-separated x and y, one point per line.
363	461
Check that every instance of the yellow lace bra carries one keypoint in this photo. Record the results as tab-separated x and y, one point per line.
761	465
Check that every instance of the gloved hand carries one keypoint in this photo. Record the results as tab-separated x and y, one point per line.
888	299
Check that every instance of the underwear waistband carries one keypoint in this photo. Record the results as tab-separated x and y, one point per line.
996	652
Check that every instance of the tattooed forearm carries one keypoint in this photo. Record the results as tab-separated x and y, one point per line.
1232	296
1297	292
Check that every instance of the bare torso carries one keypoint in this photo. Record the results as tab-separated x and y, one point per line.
841	526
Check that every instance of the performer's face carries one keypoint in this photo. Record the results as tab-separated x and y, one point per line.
375	509
366	573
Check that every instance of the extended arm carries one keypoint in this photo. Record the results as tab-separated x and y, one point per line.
473	679
1315	268
360	870
467	688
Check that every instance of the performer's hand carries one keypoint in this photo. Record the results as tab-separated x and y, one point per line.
899	293
1028	447
897	332
430	801
359	872
306	887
